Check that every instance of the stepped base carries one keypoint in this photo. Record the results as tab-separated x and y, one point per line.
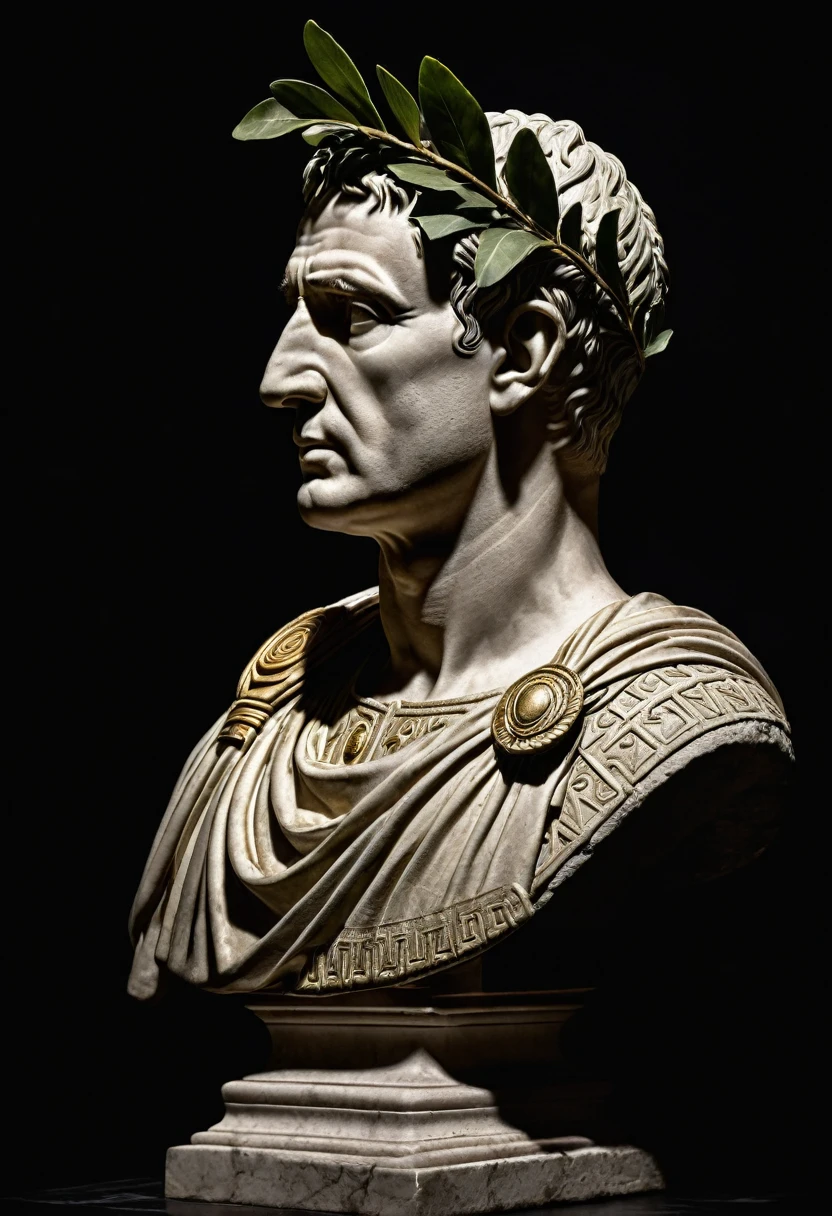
437	1104
321	1182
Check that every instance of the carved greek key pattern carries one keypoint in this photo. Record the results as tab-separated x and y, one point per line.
658	713
398	951
365	732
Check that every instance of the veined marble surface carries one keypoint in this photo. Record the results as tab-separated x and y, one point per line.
146	1195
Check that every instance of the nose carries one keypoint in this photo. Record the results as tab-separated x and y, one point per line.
289	380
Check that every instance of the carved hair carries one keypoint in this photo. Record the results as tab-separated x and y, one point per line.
599	368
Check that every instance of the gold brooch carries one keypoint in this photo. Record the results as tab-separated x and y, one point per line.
537	709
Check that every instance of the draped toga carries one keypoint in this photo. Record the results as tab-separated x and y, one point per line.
318	840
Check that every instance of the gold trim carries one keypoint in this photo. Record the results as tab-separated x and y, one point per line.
398	951
385	729
281	661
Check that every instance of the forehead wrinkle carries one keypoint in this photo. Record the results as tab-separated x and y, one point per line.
351	263
343	270
349	239
348	281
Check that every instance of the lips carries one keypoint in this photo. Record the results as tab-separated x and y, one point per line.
310	443
316	457
308	450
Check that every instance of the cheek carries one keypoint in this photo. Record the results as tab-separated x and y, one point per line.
432	402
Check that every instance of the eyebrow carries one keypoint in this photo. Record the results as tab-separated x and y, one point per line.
325	282
322	280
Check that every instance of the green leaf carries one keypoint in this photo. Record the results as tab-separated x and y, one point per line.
472	200
308	101
606	255
658	344
418	173
434	202
435	185
458	127
500	250
335	68
268	120
429	178
530	180
437	226
571	227
402	103
318	132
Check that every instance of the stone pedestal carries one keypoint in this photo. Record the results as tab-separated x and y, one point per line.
408	1101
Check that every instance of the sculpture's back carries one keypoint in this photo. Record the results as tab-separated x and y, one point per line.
406	777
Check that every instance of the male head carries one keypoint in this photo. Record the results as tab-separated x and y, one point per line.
407	378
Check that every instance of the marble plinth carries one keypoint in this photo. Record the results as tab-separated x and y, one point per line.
464	1105
318	1182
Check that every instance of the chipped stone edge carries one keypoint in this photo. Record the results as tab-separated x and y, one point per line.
755	731
323	1183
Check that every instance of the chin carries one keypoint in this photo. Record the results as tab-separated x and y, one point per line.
344	505
324	504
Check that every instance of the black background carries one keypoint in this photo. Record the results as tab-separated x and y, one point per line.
153	505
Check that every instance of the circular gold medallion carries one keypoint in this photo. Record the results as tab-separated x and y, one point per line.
537	709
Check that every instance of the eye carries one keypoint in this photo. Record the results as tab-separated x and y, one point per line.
361	318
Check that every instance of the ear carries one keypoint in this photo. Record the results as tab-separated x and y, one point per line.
533	340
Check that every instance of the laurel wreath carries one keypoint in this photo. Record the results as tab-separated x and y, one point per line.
449	156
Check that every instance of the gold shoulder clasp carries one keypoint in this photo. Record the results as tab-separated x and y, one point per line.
537	710
277	664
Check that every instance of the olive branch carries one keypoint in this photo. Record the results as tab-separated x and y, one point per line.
449	156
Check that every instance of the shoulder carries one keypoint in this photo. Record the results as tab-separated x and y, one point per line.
277	668
670	707
696	742
658	678
647	633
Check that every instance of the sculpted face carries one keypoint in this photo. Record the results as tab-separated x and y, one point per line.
393	427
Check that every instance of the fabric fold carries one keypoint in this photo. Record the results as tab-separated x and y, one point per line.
266	854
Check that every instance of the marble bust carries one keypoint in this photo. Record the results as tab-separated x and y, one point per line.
407	776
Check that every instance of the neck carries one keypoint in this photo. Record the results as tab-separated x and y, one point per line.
480	607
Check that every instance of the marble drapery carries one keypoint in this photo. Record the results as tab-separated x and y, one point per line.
266	855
